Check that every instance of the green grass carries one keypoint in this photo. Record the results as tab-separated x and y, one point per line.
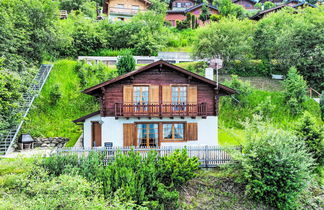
45	120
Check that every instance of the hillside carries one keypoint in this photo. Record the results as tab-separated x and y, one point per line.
48	120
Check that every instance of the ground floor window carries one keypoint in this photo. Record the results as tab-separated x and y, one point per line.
148	135
173	131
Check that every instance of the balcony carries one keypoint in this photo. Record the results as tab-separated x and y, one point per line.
124	11
160	110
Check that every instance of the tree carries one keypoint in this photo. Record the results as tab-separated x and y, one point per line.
159	6
313	137
276	166
125	63
258	5
295	90
205	14
228	8
268	5
229	38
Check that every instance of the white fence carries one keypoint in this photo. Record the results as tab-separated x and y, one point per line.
209	156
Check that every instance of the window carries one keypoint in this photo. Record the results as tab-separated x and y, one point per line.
148	135
141	98
179	95
135	7
179	4
120	6
173	131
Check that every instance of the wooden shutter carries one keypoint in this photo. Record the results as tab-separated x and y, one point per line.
192	100
96	134
154	94
129	135
192	131
128	94
154	100
166	98
192	95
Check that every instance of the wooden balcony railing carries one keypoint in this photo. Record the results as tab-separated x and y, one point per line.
160	110
124	11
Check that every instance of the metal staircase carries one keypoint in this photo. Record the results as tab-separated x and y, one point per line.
7	137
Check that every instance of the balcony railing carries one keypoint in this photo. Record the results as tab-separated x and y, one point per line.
160	110
124	11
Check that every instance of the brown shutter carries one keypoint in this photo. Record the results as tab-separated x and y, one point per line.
128	94
192	131
154	99
154	94
192	100
192	94
166	98
129	135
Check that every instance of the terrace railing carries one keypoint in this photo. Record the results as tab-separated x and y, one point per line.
7	137
160	110
209	156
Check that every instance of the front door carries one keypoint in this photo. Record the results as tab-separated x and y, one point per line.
148	135
96	134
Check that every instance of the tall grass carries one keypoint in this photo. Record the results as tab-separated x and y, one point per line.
46	120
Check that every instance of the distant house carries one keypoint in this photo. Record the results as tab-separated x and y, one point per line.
247	4
120	10
276	2
179	13
263	13
182	4
157	105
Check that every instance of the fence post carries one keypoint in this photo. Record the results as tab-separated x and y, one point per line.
206	156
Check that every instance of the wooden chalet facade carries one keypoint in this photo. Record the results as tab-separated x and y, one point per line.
121	10
157	105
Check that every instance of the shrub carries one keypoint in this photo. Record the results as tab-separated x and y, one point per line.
55	95
149	181
125	63
276	166
265	108
198	67
243	89
215	17
176	169
313	137
295	91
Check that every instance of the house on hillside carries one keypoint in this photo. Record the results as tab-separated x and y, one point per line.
157	105
121	10
263	13
176	14
247	4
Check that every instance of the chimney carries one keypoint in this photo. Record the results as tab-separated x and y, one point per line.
209	73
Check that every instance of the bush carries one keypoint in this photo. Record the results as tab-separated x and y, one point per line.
250	68
265	108
313	136
149	181
198	67
295	91
276	166
125	63
176	169
55	95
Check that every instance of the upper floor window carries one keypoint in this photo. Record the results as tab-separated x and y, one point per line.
179	4
120	6
135	7
179	95
141	95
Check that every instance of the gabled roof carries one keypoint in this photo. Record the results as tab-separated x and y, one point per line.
192	8
145	1
92	90
304	3
262	13
253	1
82	119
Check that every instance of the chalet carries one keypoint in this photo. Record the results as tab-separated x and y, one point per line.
247	4
175	15
120	10
157	105
263	13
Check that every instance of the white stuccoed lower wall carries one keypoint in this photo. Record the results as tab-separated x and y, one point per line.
112	130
